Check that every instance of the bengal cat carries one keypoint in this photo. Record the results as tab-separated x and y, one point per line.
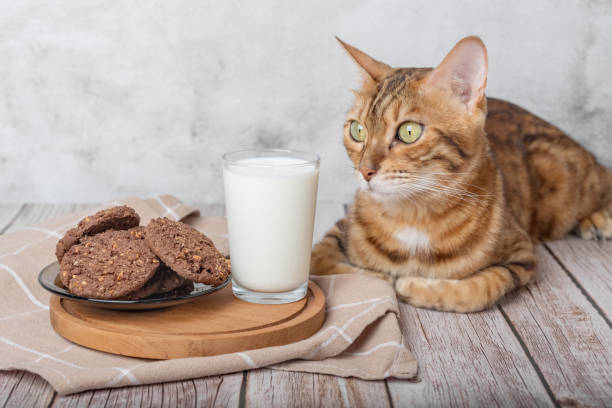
450	205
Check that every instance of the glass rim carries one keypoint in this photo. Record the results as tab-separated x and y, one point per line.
309	160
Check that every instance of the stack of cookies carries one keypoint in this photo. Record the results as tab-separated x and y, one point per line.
108	256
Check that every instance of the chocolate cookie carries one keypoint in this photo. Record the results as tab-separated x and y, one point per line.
108	265
183	290
187	251
164	280
118	218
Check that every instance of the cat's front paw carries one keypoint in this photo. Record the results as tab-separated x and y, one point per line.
415	291
597	226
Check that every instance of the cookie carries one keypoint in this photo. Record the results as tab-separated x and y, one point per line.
118	218
164	280
169	280
183	290
186	251
108	265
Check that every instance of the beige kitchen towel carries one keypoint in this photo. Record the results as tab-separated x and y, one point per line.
361	336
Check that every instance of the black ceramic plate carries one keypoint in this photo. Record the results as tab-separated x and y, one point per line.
49	279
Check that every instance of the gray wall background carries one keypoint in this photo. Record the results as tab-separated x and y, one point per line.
101	98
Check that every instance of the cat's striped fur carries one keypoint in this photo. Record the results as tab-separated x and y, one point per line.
451	220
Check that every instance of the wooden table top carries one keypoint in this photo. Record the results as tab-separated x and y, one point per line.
548	344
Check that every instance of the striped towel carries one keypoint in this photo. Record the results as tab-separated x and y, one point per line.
360	338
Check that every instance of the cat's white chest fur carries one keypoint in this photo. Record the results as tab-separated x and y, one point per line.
413	239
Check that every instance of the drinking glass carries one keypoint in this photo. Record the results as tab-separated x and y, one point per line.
270	199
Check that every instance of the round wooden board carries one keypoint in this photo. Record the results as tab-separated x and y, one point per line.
218	323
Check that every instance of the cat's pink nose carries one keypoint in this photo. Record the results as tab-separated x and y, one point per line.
367	173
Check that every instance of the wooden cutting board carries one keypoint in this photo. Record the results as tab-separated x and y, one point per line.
218	323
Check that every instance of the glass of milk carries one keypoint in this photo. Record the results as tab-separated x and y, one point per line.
270	197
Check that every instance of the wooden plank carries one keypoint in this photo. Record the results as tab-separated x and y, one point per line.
179	394
35	213
568	339
172	394
80	400
23	389
8	212
589	264
8	382
466	360
269	388
355	392
274	388
220	391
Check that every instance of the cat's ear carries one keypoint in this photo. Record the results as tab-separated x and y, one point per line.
372	69
463	72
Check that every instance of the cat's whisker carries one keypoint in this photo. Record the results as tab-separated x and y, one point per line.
434	172
458	182
461	191
447	187
441	191
417	173
421	184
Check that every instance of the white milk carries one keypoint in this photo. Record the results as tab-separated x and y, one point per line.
270	204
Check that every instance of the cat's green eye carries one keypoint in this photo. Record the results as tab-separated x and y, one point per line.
409	132
358	132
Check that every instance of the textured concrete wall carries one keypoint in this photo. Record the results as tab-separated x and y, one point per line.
102	98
